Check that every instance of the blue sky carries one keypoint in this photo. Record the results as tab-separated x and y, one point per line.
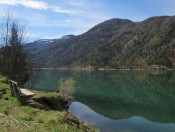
55	18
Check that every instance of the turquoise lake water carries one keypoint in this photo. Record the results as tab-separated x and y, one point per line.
118	101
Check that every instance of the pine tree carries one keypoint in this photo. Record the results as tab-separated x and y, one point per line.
14	61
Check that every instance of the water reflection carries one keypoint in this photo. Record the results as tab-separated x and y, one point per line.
135	96
104	124
122	95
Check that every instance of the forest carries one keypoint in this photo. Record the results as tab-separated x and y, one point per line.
115	43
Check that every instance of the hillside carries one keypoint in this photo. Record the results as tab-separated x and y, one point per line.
116	43
43	43
41	113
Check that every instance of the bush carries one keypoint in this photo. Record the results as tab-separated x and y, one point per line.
67	88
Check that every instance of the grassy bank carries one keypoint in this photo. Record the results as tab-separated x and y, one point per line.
41	114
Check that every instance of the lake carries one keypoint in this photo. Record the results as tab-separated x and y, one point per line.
127	101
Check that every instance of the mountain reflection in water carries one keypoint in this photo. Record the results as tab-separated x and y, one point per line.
133	99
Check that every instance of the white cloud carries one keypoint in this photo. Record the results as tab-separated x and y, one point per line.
62	10
12	2
27	3
38	5
84	17
34	4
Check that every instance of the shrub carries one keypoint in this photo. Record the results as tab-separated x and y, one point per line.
67	88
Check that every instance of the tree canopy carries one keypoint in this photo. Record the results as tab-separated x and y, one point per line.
14	62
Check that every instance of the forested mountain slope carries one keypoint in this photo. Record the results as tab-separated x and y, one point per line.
116	43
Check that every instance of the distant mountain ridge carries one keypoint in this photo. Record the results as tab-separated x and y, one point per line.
115	43
42	43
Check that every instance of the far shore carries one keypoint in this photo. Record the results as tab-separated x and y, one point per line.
102	69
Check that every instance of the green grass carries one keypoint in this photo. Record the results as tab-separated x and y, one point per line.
22	118
2	78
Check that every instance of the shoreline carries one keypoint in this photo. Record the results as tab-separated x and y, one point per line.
105	69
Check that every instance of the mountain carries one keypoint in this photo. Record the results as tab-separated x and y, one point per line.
65	37
43	43
115	43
